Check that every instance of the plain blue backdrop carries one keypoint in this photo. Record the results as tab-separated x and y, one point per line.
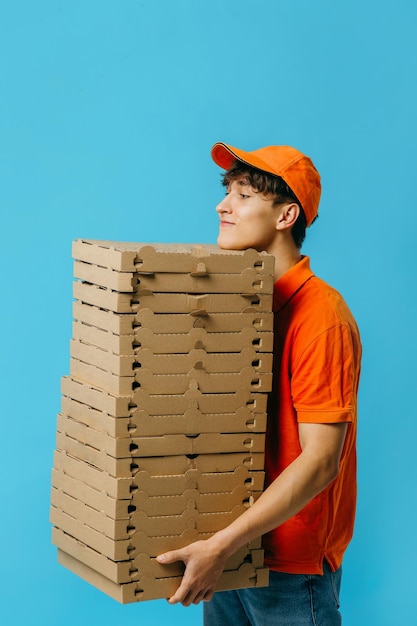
108	111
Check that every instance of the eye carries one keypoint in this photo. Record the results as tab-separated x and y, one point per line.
243	195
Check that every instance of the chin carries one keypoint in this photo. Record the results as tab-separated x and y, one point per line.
228	244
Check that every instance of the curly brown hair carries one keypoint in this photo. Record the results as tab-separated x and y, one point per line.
270	185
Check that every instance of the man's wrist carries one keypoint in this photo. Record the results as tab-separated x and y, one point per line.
224	543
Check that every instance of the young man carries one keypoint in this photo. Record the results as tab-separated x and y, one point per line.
306	512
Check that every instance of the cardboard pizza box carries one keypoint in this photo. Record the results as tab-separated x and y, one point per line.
198	305
172	363
248	281
152	506
132	539
163	323
162	404
212	472
143	563
171	342
92	488
149	588
169	257
169	503
87	445
190	422
171	384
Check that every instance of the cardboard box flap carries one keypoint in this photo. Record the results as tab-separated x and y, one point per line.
160	445
142	564
162	470
149	588
171	384
176	497
144	425
198	305
152	506
123	549
163	323
168	257
72	481
171	363
158	404
247	281
171	342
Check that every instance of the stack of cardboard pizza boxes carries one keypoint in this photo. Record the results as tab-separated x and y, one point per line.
160	438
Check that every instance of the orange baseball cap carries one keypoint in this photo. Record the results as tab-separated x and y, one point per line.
296	169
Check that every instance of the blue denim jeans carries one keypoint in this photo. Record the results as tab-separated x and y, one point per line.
290	600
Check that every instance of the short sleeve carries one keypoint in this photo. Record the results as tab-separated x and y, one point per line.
325	377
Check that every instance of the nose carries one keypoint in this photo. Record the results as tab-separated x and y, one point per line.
224	205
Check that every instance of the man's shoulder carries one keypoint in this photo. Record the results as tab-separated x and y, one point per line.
322	304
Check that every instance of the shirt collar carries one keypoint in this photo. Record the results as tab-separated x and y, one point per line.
291	282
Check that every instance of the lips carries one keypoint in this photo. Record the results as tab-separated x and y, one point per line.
225	223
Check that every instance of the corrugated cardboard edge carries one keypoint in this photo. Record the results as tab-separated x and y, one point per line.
150	588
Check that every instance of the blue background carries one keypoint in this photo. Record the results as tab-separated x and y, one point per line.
108	111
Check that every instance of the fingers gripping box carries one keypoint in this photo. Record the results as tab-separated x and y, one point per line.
160	437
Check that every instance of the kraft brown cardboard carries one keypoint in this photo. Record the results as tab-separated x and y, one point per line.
80	525
160	445
162	323
142	564
248	281
212	363
72	478
198	305
168	503
97	499
184	258
204	482
143	424
94	486
171	342
120	550
105	253
145	407
165	471
162	404
190	501
117	571
146	544
94	447
149	588
171	384
113	426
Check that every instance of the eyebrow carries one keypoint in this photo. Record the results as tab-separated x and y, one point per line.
245	183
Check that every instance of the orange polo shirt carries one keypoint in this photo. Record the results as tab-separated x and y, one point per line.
316	374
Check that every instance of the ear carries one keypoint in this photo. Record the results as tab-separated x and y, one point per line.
287	216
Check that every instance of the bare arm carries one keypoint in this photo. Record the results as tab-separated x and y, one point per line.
308	475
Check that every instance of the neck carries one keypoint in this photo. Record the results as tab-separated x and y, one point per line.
285	258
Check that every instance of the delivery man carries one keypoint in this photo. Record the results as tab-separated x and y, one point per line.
306	513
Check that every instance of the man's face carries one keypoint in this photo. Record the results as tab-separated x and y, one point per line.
247	219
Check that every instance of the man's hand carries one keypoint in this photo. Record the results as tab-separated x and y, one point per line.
204	563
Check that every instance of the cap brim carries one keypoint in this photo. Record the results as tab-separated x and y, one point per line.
224	155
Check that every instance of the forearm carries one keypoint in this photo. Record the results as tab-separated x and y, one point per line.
299	483
304	478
